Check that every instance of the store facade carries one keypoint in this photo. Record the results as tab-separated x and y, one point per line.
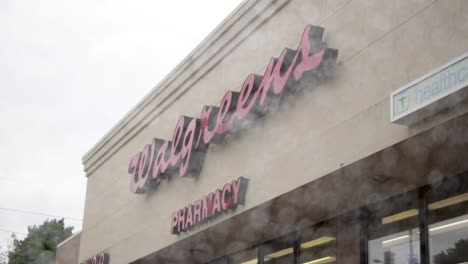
297	132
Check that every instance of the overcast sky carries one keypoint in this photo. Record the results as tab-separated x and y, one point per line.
69	71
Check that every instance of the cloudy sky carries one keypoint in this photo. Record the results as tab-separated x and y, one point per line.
69	70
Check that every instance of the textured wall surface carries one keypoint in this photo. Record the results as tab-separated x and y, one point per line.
68	251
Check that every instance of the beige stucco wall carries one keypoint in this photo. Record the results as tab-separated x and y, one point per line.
68	250
383	45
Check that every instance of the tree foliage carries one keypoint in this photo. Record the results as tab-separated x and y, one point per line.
457	254
40	244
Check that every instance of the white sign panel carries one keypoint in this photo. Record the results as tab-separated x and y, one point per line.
409	102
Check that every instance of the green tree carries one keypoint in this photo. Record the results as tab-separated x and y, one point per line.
457	254
40	244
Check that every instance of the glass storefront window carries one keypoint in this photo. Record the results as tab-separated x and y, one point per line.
401	247
392	228
449	241
280	251
448	221
394	231
318	244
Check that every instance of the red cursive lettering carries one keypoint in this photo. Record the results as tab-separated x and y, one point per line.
258	96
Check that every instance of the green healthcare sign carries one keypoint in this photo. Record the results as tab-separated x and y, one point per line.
427	90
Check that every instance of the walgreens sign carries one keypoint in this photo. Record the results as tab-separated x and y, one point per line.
185	152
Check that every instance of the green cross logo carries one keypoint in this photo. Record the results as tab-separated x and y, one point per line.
402	103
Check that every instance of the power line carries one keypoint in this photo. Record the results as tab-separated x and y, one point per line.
42	214
13	232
